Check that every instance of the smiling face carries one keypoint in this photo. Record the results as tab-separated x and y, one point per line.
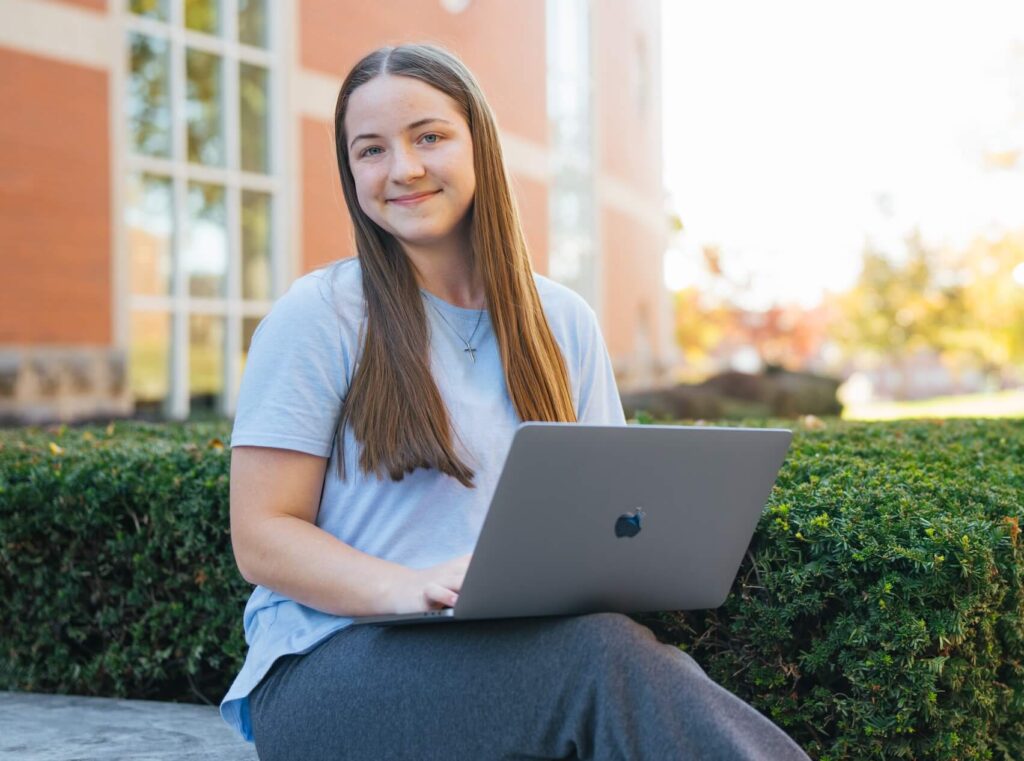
411	155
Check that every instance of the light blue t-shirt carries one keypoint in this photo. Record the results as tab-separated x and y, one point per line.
299	366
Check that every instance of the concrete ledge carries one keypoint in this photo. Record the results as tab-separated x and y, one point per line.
35	727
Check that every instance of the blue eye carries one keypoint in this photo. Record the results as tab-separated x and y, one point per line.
367	150
432	135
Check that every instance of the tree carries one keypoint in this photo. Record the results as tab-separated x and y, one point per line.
994	301
963	305
892	310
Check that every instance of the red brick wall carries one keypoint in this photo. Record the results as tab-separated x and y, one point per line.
501	42
532	197
632	281
326	229
629	138
98	5
54	203
629	151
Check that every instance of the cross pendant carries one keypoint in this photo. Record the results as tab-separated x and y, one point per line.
472	353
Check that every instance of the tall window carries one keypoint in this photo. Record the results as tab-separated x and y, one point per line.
201	212
573	256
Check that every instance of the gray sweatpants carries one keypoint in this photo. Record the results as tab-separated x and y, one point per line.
598	686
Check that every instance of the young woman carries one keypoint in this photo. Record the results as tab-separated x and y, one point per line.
378	402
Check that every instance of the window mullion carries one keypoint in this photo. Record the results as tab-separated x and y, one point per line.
178	404
284	214
232	135
233	325
230	25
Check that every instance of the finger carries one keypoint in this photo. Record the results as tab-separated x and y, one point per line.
441	595
453	581
447	600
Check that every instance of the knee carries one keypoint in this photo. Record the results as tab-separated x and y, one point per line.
613	623
608	635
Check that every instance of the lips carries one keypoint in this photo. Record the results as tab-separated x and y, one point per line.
413	198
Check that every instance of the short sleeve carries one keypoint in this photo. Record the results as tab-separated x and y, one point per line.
599	401
296	374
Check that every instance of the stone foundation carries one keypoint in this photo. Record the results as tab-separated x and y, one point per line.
62	384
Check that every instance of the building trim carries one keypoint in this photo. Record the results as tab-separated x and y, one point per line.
598	177
527	158
315	93
615	194
62	32
118	131
290	222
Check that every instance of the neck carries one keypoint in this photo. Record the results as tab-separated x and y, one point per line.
448	270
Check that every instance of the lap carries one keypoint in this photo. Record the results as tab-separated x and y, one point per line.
460	682
598	685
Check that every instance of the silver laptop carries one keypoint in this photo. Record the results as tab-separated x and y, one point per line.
627	519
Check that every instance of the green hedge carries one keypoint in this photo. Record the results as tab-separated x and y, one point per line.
877	615
117	573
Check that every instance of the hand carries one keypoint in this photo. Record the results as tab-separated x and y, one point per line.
431	588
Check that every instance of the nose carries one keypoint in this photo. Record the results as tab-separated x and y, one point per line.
405	165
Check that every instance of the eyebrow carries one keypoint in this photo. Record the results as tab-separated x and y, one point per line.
414	125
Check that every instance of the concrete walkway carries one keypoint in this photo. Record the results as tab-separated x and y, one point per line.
72	728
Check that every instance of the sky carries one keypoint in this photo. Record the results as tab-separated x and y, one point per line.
796	131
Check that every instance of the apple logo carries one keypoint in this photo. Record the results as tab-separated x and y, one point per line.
628	524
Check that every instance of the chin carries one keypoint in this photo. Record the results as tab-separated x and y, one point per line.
423	237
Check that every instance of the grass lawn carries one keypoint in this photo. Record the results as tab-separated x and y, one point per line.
997	404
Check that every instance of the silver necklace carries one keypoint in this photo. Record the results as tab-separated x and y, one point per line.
469	349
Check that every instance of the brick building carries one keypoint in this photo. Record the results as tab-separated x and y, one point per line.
167	169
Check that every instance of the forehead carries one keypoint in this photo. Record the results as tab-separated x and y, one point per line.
388	103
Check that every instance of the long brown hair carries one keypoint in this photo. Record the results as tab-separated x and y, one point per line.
393	404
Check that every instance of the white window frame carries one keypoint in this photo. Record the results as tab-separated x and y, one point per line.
570	176
179	304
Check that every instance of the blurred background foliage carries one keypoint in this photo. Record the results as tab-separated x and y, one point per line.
923	309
